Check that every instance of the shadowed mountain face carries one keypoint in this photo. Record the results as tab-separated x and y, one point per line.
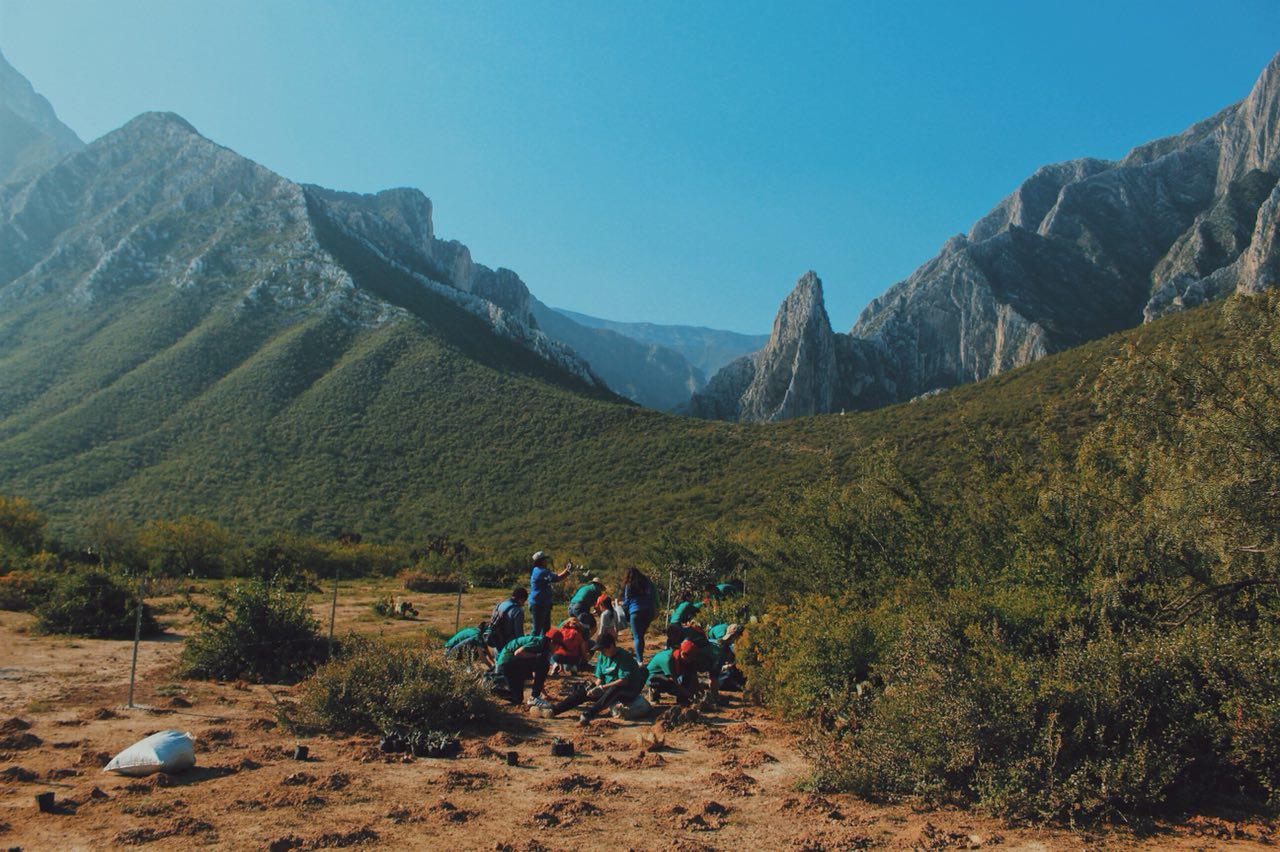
1080	250
31	136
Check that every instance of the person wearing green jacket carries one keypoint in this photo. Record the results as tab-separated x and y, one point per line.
667	672
582	602
685	611
468	643
618	678
519	660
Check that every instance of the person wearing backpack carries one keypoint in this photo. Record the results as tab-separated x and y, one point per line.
506	622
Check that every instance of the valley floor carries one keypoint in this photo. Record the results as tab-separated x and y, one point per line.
728	781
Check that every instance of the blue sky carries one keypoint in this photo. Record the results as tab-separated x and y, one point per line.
670	162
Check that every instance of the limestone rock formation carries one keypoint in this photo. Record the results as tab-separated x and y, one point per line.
1080	250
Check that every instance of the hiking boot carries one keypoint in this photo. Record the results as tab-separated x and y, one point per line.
539	703
584	720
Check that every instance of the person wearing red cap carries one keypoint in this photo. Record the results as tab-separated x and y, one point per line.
667	671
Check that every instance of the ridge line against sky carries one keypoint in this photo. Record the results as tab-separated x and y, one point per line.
668	164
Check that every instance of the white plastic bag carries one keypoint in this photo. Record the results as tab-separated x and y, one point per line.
166	751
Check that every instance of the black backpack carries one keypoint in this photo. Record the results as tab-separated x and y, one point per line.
494	634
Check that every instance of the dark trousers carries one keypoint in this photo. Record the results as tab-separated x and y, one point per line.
663	685
519	669
601	699
566	660
541	617
585	616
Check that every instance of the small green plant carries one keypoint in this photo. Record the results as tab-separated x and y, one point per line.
383	687
91	602
257	630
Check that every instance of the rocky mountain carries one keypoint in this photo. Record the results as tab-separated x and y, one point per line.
30	133
1078	251
652	375
707	349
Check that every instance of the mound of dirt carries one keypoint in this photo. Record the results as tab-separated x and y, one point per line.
933	837
296	800
578	781
459	779
445	811
101	715
89	757
709	817
180	827
811	805
750	760
299	779
177	702
736	783
16	773
14	726
336	781
564	812
640	760
19	741
328	840
717	739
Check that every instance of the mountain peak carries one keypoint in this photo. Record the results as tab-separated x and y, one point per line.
31	136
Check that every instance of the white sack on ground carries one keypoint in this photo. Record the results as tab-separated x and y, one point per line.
166	751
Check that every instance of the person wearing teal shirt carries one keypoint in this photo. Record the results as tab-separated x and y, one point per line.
469	643
731	589
685	611
521	658
580	605
666	675
619	679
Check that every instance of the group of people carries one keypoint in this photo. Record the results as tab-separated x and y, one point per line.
619	676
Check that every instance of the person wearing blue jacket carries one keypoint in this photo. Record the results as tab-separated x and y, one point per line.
541	579
640	598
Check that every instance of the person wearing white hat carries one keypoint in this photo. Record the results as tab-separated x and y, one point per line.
540	580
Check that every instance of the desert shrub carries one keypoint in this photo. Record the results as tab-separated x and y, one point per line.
187	547
256	629
21	525
378	686
91	602
415	581
696	561
497	572
21	590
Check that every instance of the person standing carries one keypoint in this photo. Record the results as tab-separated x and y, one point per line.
608	618
541	579
640	598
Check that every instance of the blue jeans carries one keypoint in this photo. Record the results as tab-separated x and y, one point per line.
640	622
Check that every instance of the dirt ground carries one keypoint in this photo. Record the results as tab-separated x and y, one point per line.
729	780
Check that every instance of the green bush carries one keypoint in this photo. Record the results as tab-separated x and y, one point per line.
378	686
21	590
91	602
256	629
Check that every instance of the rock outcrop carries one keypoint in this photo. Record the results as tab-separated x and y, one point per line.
31	136
1080	250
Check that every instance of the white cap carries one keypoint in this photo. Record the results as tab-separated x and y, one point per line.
538	557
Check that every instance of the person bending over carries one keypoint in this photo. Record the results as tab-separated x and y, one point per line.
619	678
583	599
468	645
685	611
522	658
506	622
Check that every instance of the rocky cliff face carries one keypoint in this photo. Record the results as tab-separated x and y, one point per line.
156	207
805	368
31	136
1079	250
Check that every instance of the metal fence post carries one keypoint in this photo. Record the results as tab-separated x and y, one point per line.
333	607
137	636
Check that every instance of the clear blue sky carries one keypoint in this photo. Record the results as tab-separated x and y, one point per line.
672	162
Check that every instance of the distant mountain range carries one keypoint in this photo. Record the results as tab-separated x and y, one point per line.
1080	250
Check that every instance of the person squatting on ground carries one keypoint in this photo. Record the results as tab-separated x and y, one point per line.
608	618
640	598
574	647
522	658
580	605
668	675
506	622
468	644
619	679
541	579
723	636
